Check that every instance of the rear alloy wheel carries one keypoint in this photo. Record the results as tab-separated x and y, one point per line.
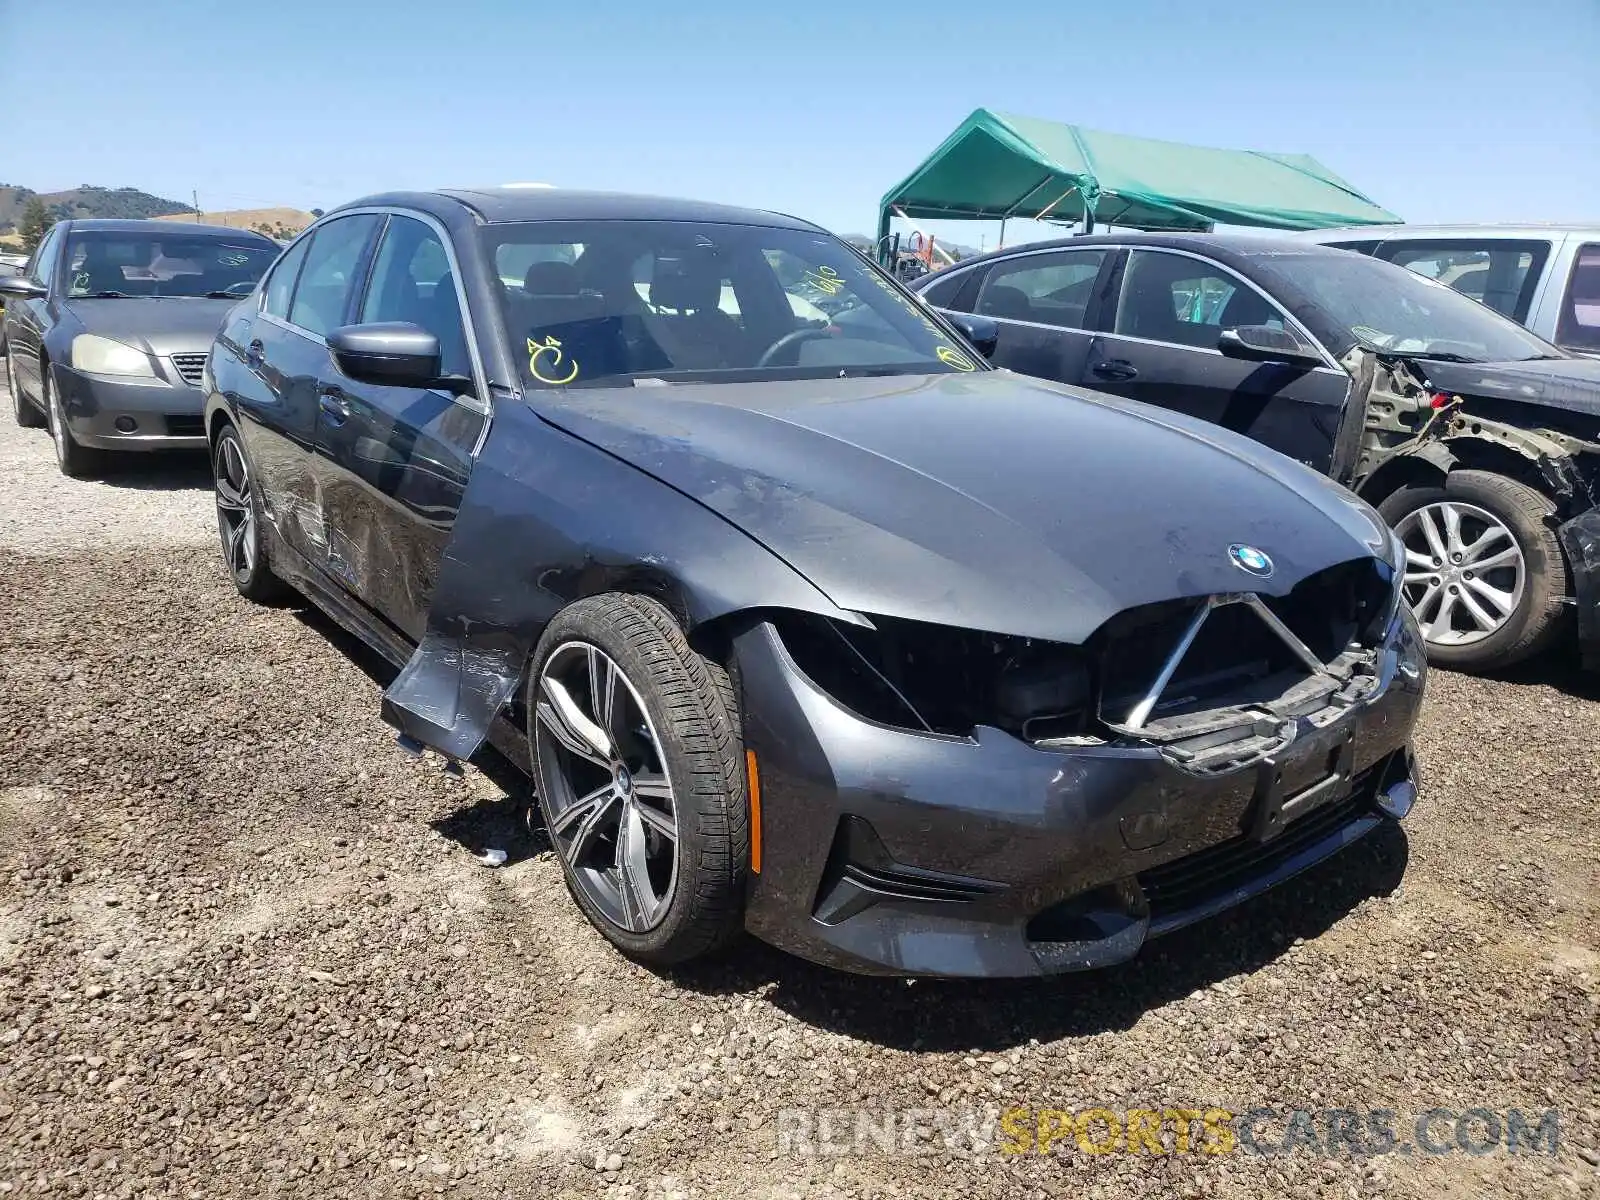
1484	570
640	778
26	414
75	461
239	522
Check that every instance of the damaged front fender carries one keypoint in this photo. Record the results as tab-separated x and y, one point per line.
1580	538
548	519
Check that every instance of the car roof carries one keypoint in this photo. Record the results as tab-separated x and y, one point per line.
116	225
1367	233
494	205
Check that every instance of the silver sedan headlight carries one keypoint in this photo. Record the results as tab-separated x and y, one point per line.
101	356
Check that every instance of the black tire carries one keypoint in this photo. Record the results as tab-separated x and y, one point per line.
76	461
689	702
1539	618
245	555
26	414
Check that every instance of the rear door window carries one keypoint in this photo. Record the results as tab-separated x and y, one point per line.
1579	324
1500	273
1048	289
1188	301
322	297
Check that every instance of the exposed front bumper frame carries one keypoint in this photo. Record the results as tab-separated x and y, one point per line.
1023	828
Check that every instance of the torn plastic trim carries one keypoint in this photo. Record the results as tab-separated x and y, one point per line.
1580	538
1232	737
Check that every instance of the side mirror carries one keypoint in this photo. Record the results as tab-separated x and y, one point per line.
389	353
23	289
982	332
1268	344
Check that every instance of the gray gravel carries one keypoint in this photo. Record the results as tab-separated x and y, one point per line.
245	948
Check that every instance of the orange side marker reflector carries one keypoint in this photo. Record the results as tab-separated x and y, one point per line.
755	810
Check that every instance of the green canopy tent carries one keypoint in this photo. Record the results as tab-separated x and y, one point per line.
996	166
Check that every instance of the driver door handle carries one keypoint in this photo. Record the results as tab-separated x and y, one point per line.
1114	368
332	401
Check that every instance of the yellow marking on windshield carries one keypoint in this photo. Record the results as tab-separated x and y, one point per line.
825	279
552	348
951	357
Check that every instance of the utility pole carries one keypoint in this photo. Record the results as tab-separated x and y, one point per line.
195	196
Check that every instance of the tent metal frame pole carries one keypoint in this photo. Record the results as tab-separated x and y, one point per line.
940	250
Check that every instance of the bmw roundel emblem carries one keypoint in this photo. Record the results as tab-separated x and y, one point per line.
1250	560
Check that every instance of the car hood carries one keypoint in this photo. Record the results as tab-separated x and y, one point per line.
1570	383
155	324
987	501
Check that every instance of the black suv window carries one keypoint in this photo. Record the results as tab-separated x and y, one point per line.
1051	289
1502	274
942	291
322	296
1579	326
412	282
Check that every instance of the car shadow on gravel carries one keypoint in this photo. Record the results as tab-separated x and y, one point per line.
1559	669
158	472
954	1015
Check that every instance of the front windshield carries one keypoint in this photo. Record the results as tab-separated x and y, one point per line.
613	302
109	264
1389	308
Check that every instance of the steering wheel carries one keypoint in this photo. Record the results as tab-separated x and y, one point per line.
794	337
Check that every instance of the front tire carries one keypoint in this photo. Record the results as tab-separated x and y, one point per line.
239	524
639	770
1484	569
75	461
26	414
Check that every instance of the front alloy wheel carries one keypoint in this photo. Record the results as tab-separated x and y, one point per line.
640	777
75	461
238	521
1484	570
1464	572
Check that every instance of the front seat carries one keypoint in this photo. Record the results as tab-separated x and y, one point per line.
686	293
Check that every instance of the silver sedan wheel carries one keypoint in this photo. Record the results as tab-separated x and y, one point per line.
53	415
1464	574
608	799
236	515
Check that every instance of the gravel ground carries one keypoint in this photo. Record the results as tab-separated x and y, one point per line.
245	949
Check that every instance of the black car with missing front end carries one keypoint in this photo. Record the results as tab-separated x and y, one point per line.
108	327
1478	441
803	619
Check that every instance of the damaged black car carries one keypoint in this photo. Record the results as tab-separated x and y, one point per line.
802	618
1478	441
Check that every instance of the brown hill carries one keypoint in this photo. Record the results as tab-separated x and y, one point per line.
274	222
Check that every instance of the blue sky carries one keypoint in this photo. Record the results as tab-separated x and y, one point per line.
1459	110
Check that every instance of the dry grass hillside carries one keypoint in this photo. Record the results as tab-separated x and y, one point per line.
276	222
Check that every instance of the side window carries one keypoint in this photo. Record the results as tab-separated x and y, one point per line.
1502	274
1175	298
1052	289
1358	247
44	257
412	282
322	296
941	293
281	286
1579	325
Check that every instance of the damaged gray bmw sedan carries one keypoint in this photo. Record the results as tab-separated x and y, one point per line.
803	619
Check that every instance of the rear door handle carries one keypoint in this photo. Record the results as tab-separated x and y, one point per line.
332	402
1115	368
